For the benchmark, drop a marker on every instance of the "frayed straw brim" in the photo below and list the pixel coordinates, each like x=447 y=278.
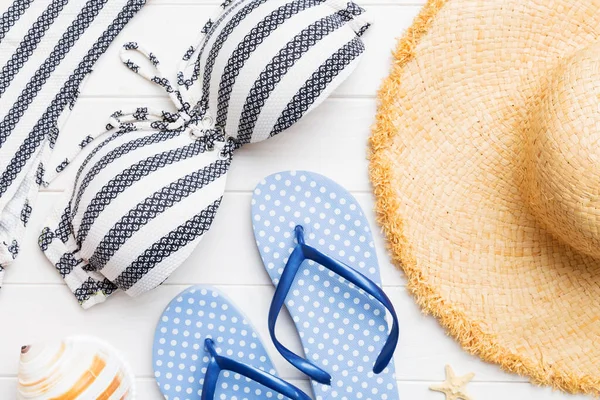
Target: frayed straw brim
x=445 y=170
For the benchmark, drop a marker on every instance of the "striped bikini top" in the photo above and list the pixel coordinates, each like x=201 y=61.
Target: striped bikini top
x=146 y=194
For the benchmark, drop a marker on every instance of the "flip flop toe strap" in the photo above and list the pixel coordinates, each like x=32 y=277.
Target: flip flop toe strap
x=219 y=363
x=304 y=252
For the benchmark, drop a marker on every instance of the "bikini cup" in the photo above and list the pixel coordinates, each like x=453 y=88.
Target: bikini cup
x=148 y=191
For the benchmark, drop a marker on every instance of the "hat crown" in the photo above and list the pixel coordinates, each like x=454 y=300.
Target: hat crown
x=562 y=152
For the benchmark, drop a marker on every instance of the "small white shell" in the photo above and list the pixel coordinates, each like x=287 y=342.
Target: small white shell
x=81 y=368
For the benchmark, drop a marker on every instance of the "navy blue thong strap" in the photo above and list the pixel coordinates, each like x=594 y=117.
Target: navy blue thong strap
x=303 y=252
x=219 y=363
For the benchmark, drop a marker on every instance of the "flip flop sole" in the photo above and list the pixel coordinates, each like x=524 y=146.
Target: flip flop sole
x=342 y=329
x=180 y=359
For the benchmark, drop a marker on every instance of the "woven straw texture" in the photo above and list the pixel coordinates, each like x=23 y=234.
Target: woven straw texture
x=484 y=161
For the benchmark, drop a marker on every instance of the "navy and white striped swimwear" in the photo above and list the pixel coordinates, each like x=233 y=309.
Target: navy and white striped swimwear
x=47 y=48
x=148 y=192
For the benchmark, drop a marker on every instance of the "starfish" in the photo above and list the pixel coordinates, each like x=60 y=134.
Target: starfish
x=454 y=386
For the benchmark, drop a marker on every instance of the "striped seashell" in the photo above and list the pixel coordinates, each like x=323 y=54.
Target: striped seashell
x=75 y=368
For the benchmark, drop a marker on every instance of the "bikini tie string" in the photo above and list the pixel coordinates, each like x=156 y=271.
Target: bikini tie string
x=195 y=120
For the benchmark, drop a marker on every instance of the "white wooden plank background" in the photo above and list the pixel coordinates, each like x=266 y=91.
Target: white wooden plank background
x=35 y=304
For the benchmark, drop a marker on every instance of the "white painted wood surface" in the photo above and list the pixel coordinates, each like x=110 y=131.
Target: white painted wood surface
x=35 y=305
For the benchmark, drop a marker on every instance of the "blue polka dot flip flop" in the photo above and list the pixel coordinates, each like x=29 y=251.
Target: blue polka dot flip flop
x=317 y=247
x=205 y=349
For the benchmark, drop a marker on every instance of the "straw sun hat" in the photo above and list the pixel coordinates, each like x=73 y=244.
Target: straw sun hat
x=486 y=168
